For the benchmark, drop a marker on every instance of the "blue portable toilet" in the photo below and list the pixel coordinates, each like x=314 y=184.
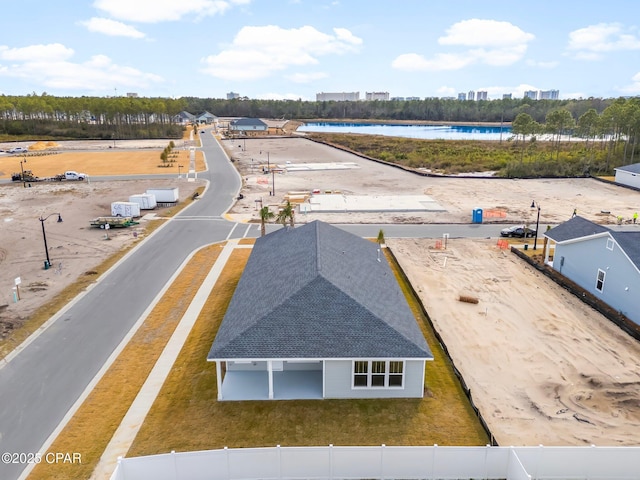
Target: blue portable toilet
x=476 y=216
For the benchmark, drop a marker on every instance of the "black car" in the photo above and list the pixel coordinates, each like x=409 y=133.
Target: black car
x=518 y=231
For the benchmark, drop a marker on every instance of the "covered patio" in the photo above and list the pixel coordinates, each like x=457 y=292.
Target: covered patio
x=287 y=385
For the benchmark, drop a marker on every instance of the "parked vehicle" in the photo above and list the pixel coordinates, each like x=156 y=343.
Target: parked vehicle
x=18 y=150
x=26 y=176
x=518 y=231
x=72 y=175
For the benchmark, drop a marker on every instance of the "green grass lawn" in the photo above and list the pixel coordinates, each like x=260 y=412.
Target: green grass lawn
x=187 y=416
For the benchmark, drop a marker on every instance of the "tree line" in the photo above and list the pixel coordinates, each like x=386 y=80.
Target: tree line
x=41 y=116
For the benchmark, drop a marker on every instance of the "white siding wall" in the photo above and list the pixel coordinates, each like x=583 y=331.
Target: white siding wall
x=628 y=178
x=338 y=382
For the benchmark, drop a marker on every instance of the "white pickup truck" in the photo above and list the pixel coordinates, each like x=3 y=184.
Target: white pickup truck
x=72 y=175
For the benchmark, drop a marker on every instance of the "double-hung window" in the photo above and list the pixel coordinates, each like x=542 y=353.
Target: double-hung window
x=600 y=280
x=378 y=374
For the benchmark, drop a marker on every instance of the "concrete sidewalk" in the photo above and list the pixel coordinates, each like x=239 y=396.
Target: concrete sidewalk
x=133 y=420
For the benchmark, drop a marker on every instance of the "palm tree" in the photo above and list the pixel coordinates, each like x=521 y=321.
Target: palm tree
x=265 y=216
x=287 y=213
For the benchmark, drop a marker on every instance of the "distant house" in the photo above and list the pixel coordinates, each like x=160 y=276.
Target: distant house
x=247 y=125
x=318 y=313
x=604 y=262
x=184 y=117
x=206 y=118
x=628 y=175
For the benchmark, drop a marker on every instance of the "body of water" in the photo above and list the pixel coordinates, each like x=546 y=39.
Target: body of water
x=430 y=132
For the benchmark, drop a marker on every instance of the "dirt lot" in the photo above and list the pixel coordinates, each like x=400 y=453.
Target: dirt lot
x=459 y=197
x=542 y=367
x=74 y=247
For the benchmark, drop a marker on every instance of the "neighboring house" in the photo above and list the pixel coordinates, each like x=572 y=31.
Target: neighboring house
x=628 y=175
x=602 y=261
x=318 y=313
x=246 y=125
x=185 y=117
x=206 y=118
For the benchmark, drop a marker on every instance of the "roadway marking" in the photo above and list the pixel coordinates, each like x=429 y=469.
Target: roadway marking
x=247 y=231
x=234 y=227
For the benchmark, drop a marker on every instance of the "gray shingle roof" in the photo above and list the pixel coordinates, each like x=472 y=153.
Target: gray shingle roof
x=577 y=227
x=633 y=168
x=248 y=122
x=317 y=291
x=630 y=243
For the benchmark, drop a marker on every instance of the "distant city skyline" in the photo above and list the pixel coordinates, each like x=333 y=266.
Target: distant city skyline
x=294 y=49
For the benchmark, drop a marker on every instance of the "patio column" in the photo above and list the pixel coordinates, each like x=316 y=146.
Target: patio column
x=546 y=252
x=270 y=369
x=219 y=378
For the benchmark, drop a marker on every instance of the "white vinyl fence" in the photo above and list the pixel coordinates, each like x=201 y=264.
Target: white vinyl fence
x=443 y=463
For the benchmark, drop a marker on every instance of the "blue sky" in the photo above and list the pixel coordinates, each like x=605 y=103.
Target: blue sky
x=290 y=49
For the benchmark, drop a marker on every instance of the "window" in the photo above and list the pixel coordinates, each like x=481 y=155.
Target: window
x=600 y=280
x=609 y=243
x=378 y=374
x=360 y=374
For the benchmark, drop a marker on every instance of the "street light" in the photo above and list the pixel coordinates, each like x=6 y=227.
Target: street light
x=179 y=174
x=47 y=263
x=535 y=241
x=24 y=181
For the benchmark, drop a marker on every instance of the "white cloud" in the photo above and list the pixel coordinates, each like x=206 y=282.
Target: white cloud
x=446 y=91
x=112 y=28
x=413 y=62
x=493 y=43
x=634 y=87
x=590 y=43
x=306 y=77
x=258 y=52
x=485 y=33
x=57 y=71
x=151 y=11
x=541 y=64
x=33 y=53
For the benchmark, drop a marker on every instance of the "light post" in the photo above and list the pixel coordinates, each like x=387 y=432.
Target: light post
x=179 y=174
x=47 y=263
x=535 y=241
x=24 y=181
x=273 y=182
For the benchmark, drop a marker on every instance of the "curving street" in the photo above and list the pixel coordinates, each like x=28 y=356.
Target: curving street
x=41 y=382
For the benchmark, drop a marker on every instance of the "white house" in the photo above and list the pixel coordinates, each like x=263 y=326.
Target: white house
x=318 y=313
x=604 y=262
x=628 y=175
x=247 y=125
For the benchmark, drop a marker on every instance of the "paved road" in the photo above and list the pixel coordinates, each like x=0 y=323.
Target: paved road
x=40 y=384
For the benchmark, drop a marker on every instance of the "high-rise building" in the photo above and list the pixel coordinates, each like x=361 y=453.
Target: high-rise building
x=532 y=94
x=506 y=96
x=471 y=95
x=337 y=96
x=377 y=96
x=482 y=95
x=232 y=95
x=549 y=95
x=462 y=96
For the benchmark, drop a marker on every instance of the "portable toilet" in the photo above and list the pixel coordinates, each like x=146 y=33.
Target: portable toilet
x=476 y=216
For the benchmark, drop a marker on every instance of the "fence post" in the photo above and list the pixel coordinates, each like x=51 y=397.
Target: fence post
x=433 y=461
x=279 y=454
x=226 y=454
x=175 y=464
x=382 y=461
x=331 y=461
